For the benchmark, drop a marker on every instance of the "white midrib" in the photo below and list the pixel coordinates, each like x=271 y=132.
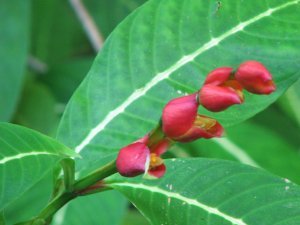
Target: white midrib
x=234 y=150
x=22 y=155
x=168 y=194
x=165 y=74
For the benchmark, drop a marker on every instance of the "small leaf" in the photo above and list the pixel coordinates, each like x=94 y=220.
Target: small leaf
x=205 y=191
x=26 y=156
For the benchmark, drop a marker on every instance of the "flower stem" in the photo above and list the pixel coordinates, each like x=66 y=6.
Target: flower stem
x=96 y=176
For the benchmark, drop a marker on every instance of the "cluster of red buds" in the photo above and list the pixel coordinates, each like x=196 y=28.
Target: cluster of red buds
x=181 y=122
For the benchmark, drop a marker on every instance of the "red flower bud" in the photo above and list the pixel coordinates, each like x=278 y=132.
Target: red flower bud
x=181 y=122
x=220 y=90
x=137 y=158
x=133 y=159
x=219 y=98
x=218 y=76
x=179 y=115
x=255 y=78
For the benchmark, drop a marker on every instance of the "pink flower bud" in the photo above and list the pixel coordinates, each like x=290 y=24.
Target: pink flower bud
x=219 y=76
x=133 y=159
x=139 y=158
x=179 y=115
x=181 y=122
x=255 y=78
x=219 y=98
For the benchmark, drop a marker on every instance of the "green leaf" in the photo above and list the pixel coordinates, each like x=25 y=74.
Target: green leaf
x=166 y=48
x=37 y=109
x=290 y=102
x=284 y=126
x=134 y=218
x=102 y=208
x=2 y=220
x=39 y=194
x=64 y=78
x=26 y=156
x=254 y=145
x=14 y=38
x=58 y=35
x=206 y=191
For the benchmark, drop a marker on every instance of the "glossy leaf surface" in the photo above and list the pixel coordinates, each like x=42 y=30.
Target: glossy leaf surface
x=206 y=192
x=26 y=156
x=165 y=49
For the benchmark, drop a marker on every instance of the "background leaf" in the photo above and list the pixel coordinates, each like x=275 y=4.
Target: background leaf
x=205 y=191
x=37 y=109
x=159 y=52
x=14 y=39
x=134 y=218
x=101 y=208
x=26 y=156
x=290 y=102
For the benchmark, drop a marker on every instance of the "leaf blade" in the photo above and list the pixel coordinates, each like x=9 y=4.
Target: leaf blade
x=26 y=156
x=122 y=99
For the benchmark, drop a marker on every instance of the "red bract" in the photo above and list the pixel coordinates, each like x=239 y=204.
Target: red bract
x=218 y=98
x=255 y=78
x=179 y=115
x=139 y=158
x=181 y=122
x=218 y=76
x=220 y=90
x=132 y=159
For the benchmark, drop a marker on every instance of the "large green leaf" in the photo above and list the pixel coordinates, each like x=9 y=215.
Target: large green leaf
x=205 y=191
x=25 y=157
x=254 y=145
x=100 y=209
x=166 y=48
x=14 y=38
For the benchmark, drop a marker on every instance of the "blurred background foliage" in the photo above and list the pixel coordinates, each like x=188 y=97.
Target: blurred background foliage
x=46 y=50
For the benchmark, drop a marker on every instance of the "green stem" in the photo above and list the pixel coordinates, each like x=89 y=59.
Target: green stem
x=96 y=176
x=55 y=205
x=155 y=136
